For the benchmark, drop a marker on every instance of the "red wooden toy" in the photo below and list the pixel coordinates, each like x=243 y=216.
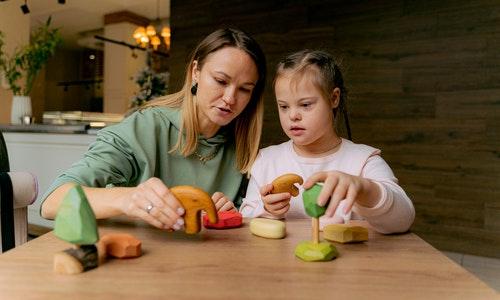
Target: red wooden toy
x=227 y=219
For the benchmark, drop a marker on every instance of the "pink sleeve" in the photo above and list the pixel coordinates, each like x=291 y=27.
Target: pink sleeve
x=394 y=212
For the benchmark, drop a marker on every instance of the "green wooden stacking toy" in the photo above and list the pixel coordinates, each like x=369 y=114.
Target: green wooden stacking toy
x=310 y=197
x=314 y=250
x=75 y=221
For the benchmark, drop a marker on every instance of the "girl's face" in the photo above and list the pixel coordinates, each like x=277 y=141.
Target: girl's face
x=225 y=85
x=305 y=115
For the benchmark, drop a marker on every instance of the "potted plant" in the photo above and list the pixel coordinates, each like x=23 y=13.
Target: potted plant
x=21 y=68
x=151 y=85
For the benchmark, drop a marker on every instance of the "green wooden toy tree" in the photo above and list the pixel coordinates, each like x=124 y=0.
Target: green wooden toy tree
x=314 y=251
x=76 y=223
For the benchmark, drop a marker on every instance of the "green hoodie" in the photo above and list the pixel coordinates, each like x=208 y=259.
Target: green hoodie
x=137 y=149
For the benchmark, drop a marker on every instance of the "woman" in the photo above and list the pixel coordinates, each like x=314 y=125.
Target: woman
x=205 y=135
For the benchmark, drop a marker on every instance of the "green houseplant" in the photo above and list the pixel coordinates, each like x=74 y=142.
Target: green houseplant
x=21 y=68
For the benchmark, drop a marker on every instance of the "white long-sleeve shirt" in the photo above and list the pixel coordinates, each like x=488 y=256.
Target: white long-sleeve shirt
x=393 y=213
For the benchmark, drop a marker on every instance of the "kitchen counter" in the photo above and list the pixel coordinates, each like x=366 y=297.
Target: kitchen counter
x=47 y=128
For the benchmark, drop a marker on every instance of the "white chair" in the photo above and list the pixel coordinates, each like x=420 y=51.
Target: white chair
x=17 y=191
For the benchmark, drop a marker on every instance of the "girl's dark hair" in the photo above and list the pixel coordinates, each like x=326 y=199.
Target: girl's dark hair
x=328 y=78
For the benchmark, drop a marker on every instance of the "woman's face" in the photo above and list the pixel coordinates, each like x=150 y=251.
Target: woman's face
x=225 y=85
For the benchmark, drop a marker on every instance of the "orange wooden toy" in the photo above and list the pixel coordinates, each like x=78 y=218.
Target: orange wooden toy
x=120 y=245
x=194 y=200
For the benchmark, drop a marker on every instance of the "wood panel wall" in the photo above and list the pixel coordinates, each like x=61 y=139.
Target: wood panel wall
x=424 y=86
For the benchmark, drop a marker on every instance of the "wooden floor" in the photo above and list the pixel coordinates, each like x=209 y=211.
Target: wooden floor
x=485 y=268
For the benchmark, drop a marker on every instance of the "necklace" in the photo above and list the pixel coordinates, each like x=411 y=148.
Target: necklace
x=207 y=157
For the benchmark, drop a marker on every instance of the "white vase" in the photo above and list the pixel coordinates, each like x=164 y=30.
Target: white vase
x=21 y=106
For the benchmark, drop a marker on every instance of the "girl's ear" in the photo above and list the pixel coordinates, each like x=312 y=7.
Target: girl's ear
x=335 y=100
x=195 y=72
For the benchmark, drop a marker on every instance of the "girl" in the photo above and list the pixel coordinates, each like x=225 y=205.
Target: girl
x=205 y=135
x=310 y=94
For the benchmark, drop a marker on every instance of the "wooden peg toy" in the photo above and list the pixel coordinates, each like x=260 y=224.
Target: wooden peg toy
x=267 y=228
x=227 y=219
x=344 y=233
x=286 y=184
x=194 y=200
x=314 y=251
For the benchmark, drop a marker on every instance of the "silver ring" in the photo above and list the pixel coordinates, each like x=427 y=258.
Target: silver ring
x=149 y=208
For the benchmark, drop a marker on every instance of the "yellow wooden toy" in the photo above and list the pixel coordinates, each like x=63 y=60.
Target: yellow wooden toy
x=194 y=200
x=344 y=233
x=286 y=184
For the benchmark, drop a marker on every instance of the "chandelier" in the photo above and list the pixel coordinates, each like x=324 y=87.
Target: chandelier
x=151 y=37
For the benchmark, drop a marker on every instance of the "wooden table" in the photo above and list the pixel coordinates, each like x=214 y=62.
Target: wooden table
x=234 y=264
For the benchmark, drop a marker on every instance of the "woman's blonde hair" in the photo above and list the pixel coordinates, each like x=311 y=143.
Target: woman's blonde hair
x=247 y=126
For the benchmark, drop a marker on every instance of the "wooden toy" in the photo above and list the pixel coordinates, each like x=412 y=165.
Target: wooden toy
x=314 y=251
x=344 y=233
x=194 y=200
x=119 y=245
x=267 y=228
x=310 y=197
x=75 y=223
x=76 y=260
x=285 y=184
x=227 y=219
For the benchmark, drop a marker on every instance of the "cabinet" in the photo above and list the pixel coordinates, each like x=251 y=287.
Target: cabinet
x=46 y=155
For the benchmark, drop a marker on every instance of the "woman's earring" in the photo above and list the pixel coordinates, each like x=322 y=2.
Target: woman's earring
x=194 y=89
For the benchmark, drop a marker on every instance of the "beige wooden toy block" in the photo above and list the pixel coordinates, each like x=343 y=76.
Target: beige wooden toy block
x=344 y=233
x=267 y=228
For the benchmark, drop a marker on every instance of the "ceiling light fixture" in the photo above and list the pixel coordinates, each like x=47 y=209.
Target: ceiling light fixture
x=147 y=36
x=24 y=7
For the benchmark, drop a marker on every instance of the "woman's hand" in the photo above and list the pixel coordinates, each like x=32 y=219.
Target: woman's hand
x=338 y=186
x=275 y=204
x=153 y=202
x=222 y=203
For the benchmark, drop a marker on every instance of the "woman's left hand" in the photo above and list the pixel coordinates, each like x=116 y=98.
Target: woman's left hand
x=222 y=203
x=338 y=186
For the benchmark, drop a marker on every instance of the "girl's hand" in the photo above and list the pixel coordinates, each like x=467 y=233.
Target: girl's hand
x=275 y=204
x=153 y=202
x=338 y=186
x=222 y=203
